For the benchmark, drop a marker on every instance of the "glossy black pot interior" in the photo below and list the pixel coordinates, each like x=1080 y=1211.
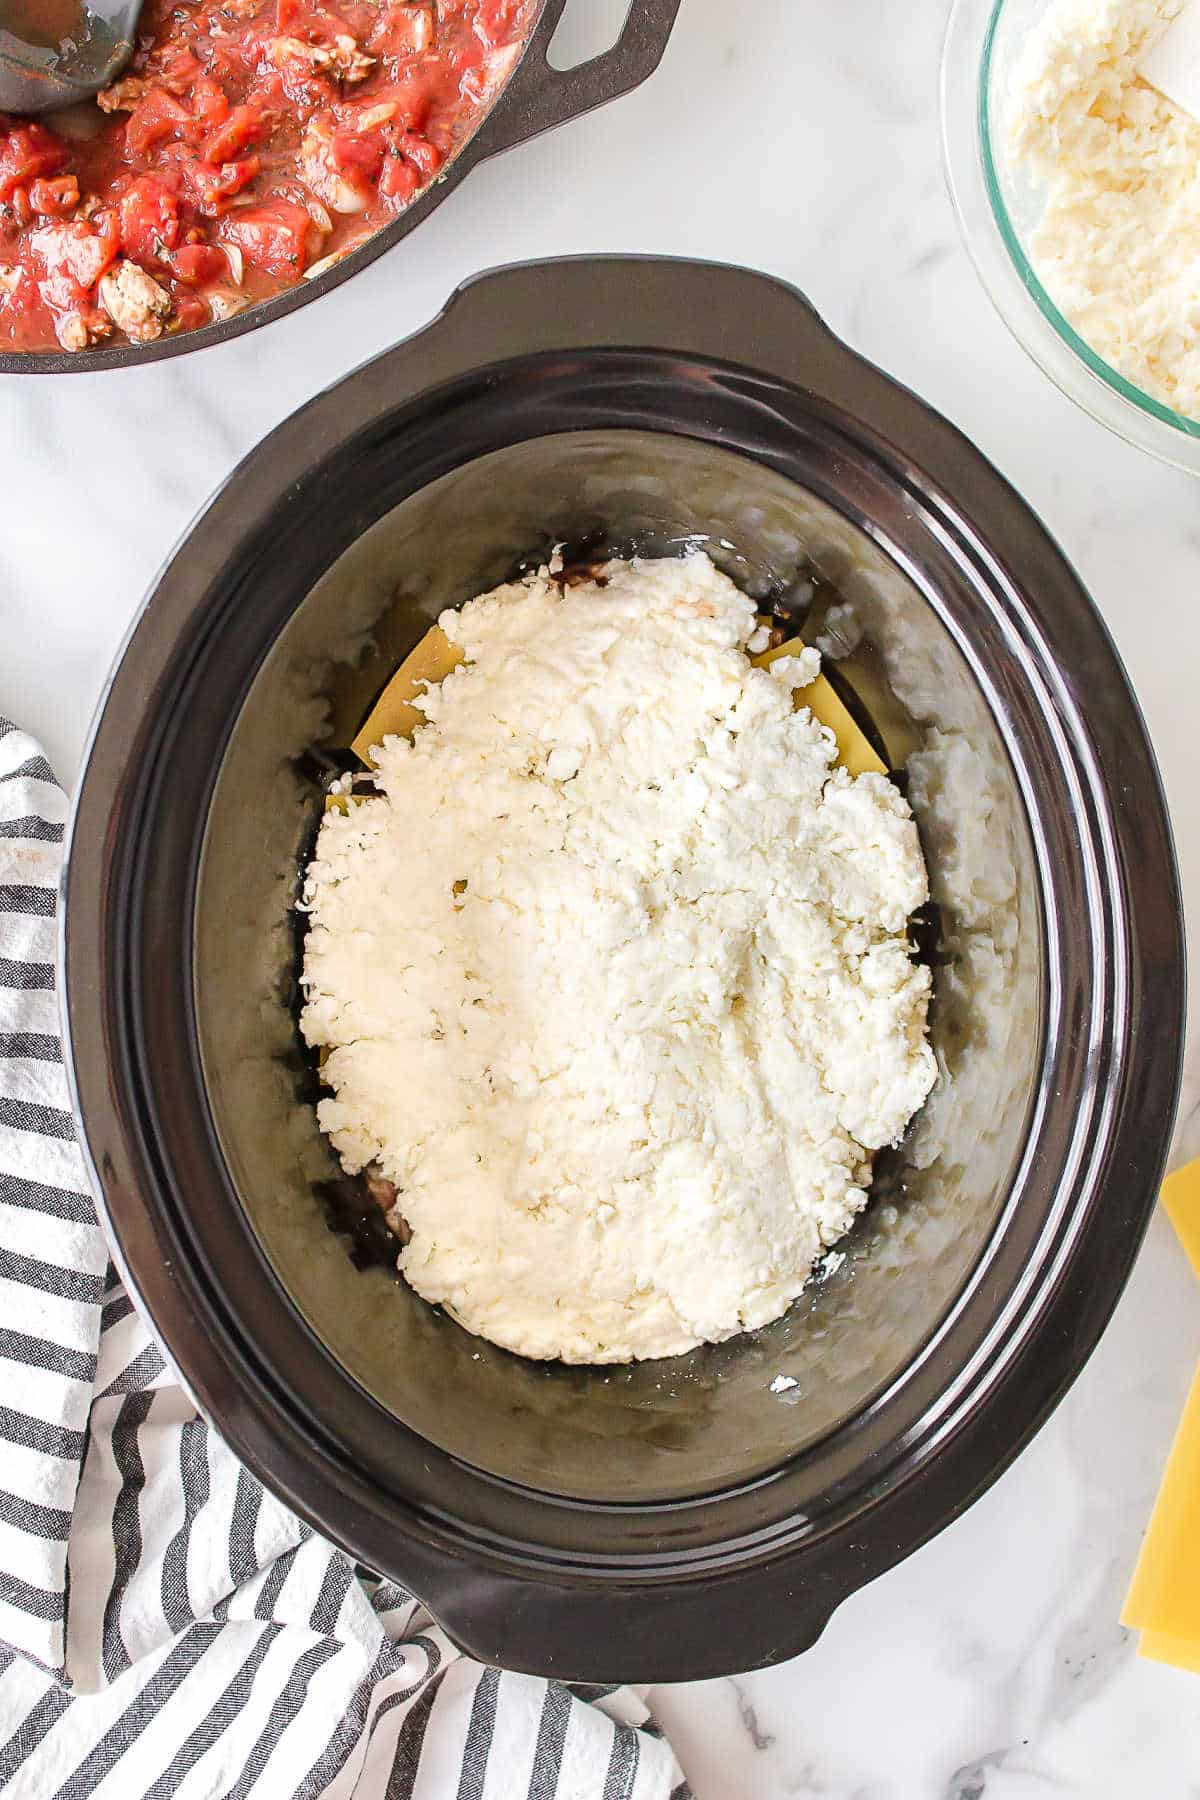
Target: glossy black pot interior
x=677 y=1519
x=535 y=98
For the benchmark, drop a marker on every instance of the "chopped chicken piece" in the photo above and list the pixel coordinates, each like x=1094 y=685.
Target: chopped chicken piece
x=350 y=63
x=284 y=50
x=134 y=302
x=88 y=207
x=342 y=59
x=75 y=331
x=122 y=96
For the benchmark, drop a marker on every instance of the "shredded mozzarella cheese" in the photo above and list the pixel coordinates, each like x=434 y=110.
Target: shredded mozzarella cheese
x=613 y=974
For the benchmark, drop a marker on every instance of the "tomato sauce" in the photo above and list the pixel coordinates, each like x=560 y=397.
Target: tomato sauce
x=247 y=143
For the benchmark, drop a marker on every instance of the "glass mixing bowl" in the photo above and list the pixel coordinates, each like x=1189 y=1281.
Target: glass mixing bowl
x=998 y=210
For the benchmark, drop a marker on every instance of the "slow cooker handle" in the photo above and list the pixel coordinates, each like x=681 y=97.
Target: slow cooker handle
x=539 y=96
x=583 y=1630
x=575 y=304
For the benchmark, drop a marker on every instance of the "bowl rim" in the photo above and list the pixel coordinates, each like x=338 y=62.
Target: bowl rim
x=973 y=177
x=588 y=1621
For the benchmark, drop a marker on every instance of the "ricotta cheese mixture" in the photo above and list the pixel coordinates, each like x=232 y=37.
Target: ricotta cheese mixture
x=612 y=973
x=1117 y=246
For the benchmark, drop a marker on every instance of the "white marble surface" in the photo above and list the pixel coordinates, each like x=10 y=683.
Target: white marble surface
x=800 y=136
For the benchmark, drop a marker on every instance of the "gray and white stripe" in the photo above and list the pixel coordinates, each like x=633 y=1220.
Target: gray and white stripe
x=167 y=1628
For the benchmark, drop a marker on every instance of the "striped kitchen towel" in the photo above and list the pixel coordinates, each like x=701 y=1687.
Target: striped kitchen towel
x=167 y=1628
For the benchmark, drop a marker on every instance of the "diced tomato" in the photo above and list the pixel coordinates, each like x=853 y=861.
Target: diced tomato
x=427 y=157
x=54 y=197
x=237 y=175
x=156 y=116
x=208 y=102
x=106 y=223
x=403 y=30
x=198 y=263
x=411 y=161
x=149 y=220
x=274 y=237
x=310 y=19
x=412 y=98
x=243 y=126
x=212 y=188
x=398 y=179
x=498 y=22
x=190 y=311
x=355 y=155
x=76 y=248
x=26 y=151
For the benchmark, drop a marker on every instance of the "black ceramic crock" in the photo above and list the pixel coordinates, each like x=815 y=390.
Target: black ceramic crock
x=535 y=97
x=670 y=1520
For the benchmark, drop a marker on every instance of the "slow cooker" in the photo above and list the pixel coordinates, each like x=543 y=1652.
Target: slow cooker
x=668 y=1520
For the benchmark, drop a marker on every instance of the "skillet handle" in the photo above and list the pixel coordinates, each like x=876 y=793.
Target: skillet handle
x=539 y=96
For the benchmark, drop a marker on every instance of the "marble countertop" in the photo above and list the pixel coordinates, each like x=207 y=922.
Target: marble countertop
x=802 y=138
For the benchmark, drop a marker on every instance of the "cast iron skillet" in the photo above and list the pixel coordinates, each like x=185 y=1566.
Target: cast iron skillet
x=535 y=98
x=674 y=1520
